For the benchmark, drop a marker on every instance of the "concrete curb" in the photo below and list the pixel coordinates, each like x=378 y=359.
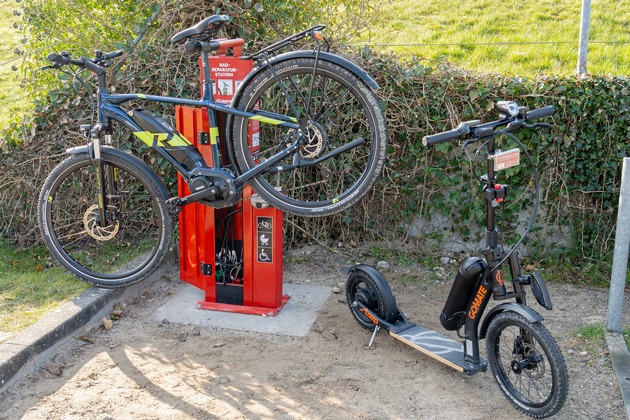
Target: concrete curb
x=620 y=357
x=29 y=350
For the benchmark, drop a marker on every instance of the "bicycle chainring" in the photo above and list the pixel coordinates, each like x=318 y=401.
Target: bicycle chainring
x=92 y=228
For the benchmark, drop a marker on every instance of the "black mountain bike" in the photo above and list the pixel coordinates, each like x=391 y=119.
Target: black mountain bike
x=523 y=356
x=104 y=214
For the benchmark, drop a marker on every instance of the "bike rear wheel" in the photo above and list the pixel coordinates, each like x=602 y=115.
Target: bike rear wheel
x=527 y=364
x=137 y=234
x=336 y=108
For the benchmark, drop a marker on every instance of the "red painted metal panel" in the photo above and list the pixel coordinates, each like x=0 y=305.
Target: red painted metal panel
x=258 y=230
x=196 y=221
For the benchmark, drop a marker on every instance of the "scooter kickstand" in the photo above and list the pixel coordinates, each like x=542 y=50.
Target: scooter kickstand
x=373 y=336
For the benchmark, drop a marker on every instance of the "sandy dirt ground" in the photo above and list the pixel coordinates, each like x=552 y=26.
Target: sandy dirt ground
x=144 y=369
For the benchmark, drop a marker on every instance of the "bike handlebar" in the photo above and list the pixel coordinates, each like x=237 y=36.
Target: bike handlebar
x=91 y=64
x=475 y=130
x=460 y=132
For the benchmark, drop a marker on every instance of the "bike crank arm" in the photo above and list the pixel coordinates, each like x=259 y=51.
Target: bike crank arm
x=189 y=199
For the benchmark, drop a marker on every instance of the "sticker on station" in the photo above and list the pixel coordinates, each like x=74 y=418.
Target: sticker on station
x=264 y=233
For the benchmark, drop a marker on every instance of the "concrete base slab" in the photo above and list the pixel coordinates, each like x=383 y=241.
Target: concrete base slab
x=620 y=357
x=295 y=319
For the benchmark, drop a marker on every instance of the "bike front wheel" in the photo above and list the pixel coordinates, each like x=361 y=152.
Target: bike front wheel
x=136 y=234
x=336 y=110
x=527 y=364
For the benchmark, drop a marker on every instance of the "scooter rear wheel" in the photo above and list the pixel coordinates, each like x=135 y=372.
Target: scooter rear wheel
x=367 y=285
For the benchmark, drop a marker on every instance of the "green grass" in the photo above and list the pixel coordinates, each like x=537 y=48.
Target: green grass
x=29 y=290
x=473 y=25
x=593 y=335
x=12 y=98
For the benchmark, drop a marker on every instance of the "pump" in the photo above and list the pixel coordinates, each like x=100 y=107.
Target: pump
x=233 y=254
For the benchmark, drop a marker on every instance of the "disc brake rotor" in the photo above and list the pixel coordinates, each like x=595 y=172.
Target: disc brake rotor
x=316 y=141
x=100 y=233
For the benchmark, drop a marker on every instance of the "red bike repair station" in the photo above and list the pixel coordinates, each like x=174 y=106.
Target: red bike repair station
x=233 y=254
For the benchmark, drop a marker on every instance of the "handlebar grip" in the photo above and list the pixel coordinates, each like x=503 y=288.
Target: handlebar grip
x=440 y=137
x=540 y=113
x=114 y=54
x=58 y=58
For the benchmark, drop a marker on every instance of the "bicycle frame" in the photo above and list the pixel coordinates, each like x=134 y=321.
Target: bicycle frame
x=216 y=184
x=109 y=109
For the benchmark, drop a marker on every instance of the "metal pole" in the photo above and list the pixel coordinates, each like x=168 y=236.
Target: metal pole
x=620 y=256
x=585 y=28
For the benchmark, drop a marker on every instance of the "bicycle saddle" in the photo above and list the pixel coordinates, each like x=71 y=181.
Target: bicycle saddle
x=209 y=24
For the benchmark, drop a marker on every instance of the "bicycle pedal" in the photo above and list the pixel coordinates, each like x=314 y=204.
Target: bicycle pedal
x=539 y=288
x=174 y=205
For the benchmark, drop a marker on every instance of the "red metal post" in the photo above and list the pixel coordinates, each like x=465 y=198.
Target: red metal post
x=259 y=230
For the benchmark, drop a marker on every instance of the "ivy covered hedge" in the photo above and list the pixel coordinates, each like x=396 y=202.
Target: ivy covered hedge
x=424 y=196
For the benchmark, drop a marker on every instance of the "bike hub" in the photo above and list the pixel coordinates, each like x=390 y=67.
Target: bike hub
x=365 y=297
x=313 y=140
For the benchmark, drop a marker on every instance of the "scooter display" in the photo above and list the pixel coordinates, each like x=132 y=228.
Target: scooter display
x=524 y=358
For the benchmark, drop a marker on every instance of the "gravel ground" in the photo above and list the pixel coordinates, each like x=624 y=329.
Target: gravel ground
x=145 y=369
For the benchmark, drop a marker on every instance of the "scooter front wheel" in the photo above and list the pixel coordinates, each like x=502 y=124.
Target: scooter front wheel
x=527 y=364
x=368 y=286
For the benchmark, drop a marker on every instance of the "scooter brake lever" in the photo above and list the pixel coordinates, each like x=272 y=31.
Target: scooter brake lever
x=469 y=141
x=538 y=125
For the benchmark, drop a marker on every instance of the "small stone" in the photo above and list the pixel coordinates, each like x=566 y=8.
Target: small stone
x=54 y=368
x=217 y=345
x=329 y=335
x=445 y=260
x=570 y=351
x=583 y=353
x=87 y=339
x=107 y=323
x=383 y=265
x=336 y=290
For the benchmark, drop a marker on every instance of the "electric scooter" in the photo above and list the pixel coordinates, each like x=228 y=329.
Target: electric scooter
x=523 y=356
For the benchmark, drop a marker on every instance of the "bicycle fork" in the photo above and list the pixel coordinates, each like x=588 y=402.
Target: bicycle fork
x=104 y=191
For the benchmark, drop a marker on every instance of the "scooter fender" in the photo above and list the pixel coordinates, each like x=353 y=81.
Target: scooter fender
x=527 y=312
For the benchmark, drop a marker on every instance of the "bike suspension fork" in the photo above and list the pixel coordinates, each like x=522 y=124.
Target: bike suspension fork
x=97 y=161
x=103 y=191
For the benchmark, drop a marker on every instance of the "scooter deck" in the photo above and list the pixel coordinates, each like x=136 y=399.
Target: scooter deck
x=439 y=347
